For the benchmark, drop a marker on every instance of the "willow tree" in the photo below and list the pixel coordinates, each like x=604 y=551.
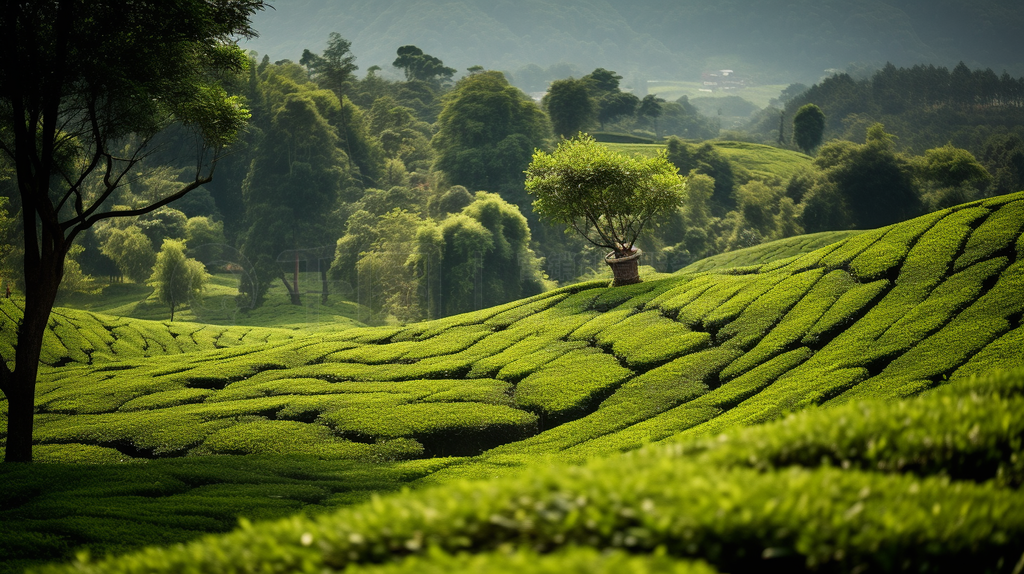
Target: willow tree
x=85 y=85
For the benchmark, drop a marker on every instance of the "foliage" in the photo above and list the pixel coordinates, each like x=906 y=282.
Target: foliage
x=570 y=107
x=808 y=127
x=178 y=279
x=486 y=134
x=294 y=181
x=735 y=502
x=877 y=316
x=205 y=239
x=862 y=186
x=605 y=197
x=334 y=69
x=420 y=66
x=130 y=250
x=927 y=105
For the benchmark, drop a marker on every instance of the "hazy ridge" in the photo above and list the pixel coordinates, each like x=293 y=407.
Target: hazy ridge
x=653 y=39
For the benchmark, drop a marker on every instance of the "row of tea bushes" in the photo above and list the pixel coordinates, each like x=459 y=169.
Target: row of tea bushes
x=82 y=337
x=778 y=250
x=967 y=430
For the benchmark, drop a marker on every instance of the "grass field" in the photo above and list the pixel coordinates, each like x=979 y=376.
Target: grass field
x=865 y=384
x=761 y=161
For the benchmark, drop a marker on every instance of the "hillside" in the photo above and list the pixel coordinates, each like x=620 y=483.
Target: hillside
x=762 y=161
x=875 y=493
x=655 y=40
x=577 y=373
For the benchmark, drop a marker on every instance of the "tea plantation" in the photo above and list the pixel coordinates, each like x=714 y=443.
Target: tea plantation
x=832 y=403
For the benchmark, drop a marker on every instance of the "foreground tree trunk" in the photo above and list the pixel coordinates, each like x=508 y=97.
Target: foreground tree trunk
x=19 y=385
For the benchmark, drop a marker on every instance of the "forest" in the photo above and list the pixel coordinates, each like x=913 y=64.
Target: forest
x=278 y=297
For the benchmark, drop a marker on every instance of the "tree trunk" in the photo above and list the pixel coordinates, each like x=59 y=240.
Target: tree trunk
x=295 y=292
x=19 y=385
x=323 y=281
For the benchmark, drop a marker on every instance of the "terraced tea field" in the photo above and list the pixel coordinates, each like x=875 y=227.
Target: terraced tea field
x=849 y=328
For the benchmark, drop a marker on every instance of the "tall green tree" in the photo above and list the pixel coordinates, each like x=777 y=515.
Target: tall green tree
x=130 y=250
x=423 y=67
x=335 y=68
x=178 y=278
x=79 y=81
x=808 y=127
x=569 y=106
x=650 y=107
x=486 y=134
x=293 y=185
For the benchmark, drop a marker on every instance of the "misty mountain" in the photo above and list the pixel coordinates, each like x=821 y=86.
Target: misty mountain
x=769 y=40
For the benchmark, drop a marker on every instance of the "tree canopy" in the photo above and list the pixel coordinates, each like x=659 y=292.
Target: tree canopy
x=486 y=134
x=604 y=196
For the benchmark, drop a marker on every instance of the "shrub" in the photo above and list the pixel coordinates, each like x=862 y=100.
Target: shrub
x=571 y=384
x=998 y=232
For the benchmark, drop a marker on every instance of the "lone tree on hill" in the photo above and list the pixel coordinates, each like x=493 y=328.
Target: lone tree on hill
x=178 y=279
x=606 y=197
x=84 y=87
x=808 y=127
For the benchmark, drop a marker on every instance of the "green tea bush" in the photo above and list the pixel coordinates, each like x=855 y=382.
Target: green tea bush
x=448 y=342
x=737 y=519
x=635 y=295
x=947 y=300
x=687 y=289
x=533 y=353
x=1003 y=353
x=290 y=438
x=850 y=248
x=729 y=310
x=504 y=319
x=671 y=384
x=76 y=453
x=725 y=288
x=164 y=399
x=967 y=333
x=758 y=318
x=998 y=232
x=588 y=331
x=647 y=339
x=733 y=393
x=795 y=324
x=955 y=432
x=571 y=384
x=574 y=560
x=374 y=354
x=845 y=310
x=886 y=254
x=933 y=255
x=445 y=429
